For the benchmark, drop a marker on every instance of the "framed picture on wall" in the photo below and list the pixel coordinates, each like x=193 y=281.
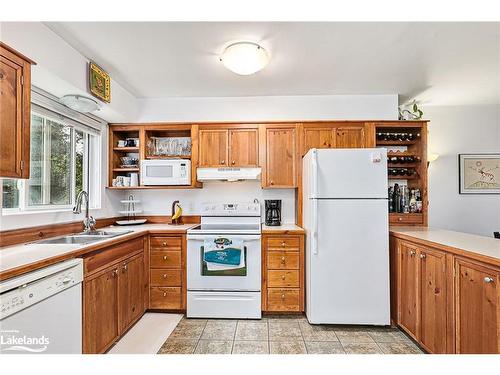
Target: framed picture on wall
x=99 y=82
x=479 y=173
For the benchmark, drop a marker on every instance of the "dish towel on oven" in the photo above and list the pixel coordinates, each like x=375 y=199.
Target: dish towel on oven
x=223 y=254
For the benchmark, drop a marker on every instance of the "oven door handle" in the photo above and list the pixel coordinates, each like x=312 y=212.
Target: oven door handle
x=203 y=237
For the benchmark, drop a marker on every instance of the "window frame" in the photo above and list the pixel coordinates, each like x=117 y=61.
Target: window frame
x=90 y=179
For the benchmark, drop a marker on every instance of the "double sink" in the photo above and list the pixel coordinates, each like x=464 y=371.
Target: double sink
x=83 y=238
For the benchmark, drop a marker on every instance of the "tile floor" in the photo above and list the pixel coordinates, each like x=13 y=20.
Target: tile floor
x=283 y=335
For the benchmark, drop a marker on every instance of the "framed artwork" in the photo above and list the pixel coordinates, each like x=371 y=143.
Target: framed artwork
x=479 y=173
x=99 y=83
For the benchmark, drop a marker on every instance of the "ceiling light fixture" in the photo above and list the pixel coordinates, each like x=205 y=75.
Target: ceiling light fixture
x=244 y=58
x=80 y=103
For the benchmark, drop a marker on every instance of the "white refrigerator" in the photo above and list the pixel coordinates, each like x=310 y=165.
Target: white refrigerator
x=345 y=216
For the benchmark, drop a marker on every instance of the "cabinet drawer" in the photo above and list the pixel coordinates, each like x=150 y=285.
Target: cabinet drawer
x=165 y=259
x=166 y=298
x=164 y=243
x=283 y=260
x=285 y=278
x=166 y=277
x=398 y=219
x=283 y=243
x=111 y=254
x=283 y=300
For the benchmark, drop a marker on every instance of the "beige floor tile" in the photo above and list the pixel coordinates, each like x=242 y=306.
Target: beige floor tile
x=324 y=347
x=187 y=331
x=353 y=336
x=284 y=330
x=178 y=346
x=317 y=332
x=250 y=330
x=399 y=348
x=388 y=336
x=251 y=347
x=287 y=347
x=362 y=348
x=219 y=330
x=214 y=347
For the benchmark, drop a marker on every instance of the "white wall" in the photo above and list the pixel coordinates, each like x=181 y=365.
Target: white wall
x=452 y=131
x=271 y=108
x=61 y=69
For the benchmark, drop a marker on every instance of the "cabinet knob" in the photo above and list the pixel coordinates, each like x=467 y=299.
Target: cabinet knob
x=164 y=294
x=283 y=243
x=124 y=267
x=282 y=296
x=412 y=252
x=400 y=218
x=271 y=182
x=164 y=275
x=115 y=272
x=282 y=277
x=283 y=260
x=233 y=162
x=222 y=161
x=164 y=244
x=422 y=256
x=164 y=257
x=488 y=279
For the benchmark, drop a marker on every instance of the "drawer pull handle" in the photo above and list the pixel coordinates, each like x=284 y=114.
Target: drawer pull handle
x=282 y=277
x=412 y=252
x=400 y=218
x=164 y=257
x=282 y=260
x=124 y=268
x=422 y=256
x=488 y=279
x=164 y=275
x=115 y=272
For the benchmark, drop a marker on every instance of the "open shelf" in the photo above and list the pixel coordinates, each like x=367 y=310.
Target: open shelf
x=125 y=169
x=396 y=143
x=404 y=177
x=158 y=187
x=126 y=149
x=168 y=156
x=403 y=165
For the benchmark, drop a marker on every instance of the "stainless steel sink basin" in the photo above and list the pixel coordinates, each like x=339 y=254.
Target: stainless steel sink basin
x=83 y=238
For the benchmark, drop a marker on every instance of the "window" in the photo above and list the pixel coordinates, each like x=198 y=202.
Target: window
x=59 y=167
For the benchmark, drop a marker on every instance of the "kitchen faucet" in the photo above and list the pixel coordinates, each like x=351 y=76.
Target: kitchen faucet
x=89 y=222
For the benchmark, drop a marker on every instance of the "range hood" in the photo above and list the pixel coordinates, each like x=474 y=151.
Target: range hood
x=227 y=174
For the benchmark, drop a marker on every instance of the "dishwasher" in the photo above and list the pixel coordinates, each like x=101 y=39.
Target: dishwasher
x=41 y=311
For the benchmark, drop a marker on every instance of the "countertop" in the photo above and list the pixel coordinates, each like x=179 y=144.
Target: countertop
x=18 y=259
x=458 y=242
x=282 y=229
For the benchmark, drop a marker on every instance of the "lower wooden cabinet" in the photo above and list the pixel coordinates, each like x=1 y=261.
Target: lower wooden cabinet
x=113 y=295
x=447 y=303
x=282 y=273
x=167 y=274
x=477 y=307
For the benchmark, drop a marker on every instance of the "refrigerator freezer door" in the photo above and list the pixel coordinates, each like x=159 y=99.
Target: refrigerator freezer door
x=347 y=275
x=345 y=173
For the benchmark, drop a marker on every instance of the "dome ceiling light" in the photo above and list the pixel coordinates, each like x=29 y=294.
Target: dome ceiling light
x=80 y=103
x=244 y=58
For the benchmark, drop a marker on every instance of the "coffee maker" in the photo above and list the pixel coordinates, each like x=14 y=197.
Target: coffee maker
x=273 y=212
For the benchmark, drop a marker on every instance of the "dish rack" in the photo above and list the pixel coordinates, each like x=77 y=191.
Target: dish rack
x=131 y=212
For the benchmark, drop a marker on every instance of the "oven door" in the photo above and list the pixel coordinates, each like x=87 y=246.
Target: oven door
x=245 y=277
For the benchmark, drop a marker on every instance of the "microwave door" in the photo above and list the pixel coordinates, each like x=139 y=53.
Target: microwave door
x=157 y=171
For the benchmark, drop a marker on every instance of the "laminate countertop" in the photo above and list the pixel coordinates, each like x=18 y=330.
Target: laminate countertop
x=483 y=248
x=19 y=259
x=282 y=229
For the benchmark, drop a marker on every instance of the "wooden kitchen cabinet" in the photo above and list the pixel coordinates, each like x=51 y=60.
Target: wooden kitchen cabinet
x=333 y=135
x=213 y=148
x=477 y=307
x=100 y=310
x=318 y=138
x=243 y=147
x=113 y=293
x=350 y=137
x=408 y=287
x=283 y=273
x=15 y=116
x=281 y=157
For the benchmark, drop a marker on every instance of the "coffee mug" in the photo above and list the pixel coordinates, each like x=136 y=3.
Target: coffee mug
x=121 y=143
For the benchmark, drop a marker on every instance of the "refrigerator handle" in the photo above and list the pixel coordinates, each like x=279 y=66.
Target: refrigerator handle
x=314 y=234
x=314 y=177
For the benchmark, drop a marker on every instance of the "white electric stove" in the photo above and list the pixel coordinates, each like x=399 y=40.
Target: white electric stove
x=220 y=290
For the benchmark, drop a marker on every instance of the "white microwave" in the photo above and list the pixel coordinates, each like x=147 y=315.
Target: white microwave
x=166 y=172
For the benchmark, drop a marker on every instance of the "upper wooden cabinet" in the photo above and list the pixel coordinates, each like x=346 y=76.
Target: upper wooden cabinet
x=15 y=97
x=221 y=147
x=333 y=135
x=281 y=157
x=477 y=308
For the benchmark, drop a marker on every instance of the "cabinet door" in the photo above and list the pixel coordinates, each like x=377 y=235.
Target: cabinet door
x=477 y=308
x=432 y=300
x=408 y=288
x=243 y=147
x=281 y=158
x=350 y=137
x=131 y=291
x=100 y=311
x=213 y=148
x=317 y=138
x=14 y=122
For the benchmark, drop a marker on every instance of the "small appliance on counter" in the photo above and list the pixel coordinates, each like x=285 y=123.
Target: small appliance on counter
x=273 y=212
x=130 y=211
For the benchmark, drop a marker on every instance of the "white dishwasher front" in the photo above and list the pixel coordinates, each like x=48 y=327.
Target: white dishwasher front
x=41 y=312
